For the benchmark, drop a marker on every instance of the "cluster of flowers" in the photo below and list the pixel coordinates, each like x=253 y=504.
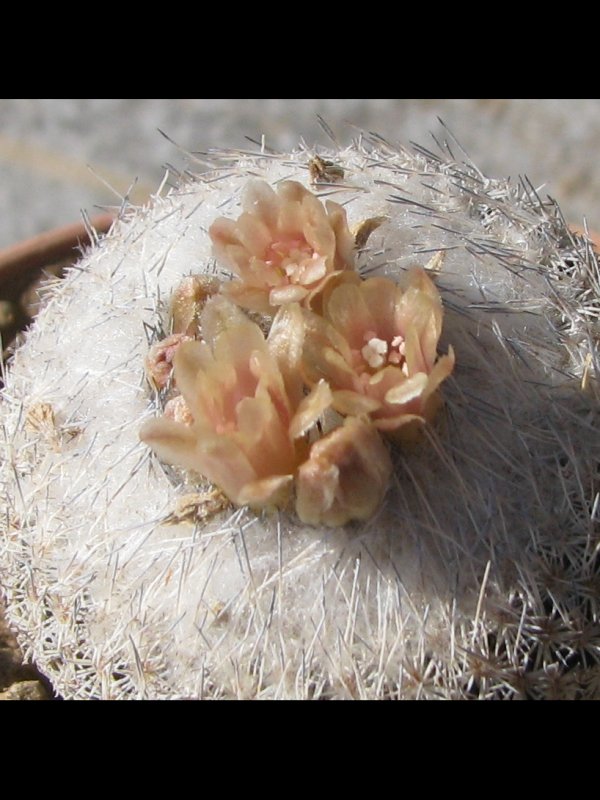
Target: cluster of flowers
x=301 y=412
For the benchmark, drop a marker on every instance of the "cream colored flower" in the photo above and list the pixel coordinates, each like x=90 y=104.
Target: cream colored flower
x=376 y=345
x=345 y=477
x=246 y=400
x=286 y=247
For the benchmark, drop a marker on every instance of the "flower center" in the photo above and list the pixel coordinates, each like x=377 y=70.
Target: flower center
x=297 y=261
x=378 y=352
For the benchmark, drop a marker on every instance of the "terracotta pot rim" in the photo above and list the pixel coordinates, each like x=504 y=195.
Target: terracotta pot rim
x=50 y=247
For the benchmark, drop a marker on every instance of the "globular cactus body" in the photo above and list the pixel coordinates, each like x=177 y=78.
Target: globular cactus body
x=477 y=577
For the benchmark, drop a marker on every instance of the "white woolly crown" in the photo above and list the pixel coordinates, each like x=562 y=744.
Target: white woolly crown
x=478 y=577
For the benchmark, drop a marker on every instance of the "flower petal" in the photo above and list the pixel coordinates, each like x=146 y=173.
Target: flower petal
x=319 y=337
x=354 y=404
x=314 y=271
x=335 y=368
x=246 y=296
x=223 y=233
x=234 y=338
x=317 y=228
x=403 y=429
x=350 y=315
x=420 y=280
x=222 y=461
x=260 y=199
x=188 y=300
x=190 y=359
x=263 y=436
x=415 y=359
x=270 y=380
x=383 y=380
x=172 y=441
x=219 y=316
x=420 y=315
x=345 y=477
x=292 y=192
x=345 y=251
x=408 y=390
x=285 y=343
x=287 y=294
x=290 y=222
x=442 y=369
x=381 y=296
x=319 y=296
x=274 y=491
x=316 y=486
x=253 y=234
x=310 y=409
x=261 y=275
x=391 y=424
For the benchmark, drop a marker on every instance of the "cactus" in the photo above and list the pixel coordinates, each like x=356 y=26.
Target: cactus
x=478 y=577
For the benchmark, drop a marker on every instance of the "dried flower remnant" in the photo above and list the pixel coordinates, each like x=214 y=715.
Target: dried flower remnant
x=249 y=412
x=364 y=229
x=197 y=507
x=188 y=300
x=345 y=477
x=40 y=419
x=286 y=247
x=159 y=361
x=435 y=263
x=377 y=347
x=323 y=171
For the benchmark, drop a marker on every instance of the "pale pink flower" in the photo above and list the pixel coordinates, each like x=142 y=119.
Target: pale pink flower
x=286 y=247
x=376 y=345
x=247 y=403
x=159 y=361
x=345 y=476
